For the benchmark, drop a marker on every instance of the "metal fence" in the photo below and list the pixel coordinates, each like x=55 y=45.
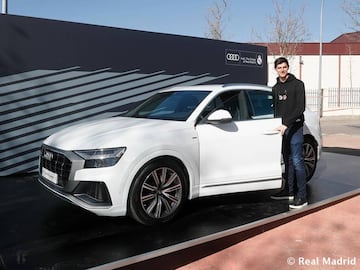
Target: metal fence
x=333 y=98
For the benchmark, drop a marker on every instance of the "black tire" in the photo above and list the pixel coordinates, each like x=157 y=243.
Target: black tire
x=158 y=192
x=310 y=157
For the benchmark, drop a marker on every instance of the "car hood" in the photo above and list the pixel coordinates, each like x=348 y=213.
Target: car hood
x=112 y=132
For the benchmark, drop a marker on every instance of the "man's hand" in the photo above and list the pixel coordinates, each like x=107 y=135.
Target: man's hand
x=282 y=129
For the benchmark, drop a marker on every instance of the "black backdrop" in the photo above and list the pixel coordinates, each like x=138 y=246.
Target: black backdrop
x=54 y=74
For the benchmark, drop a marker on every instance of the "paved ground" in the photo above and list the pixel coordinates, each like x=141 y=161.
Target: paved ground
x=341 y=131
x=328 y=239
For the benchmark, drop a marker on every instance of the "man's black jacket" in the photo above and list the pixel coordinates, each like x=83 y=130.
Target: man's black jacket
x=289 y=101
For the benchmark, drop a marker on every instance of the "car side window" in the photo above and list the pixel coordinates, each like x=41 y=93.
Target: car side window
x=232 y=101
x=260 y=104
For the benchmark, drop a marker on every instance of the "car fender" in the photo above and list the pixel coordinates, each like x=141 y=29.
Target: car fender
x=189 y=161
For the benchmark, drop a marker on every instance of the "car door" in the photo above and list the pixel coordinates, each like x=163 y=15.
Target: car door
x=243 y=154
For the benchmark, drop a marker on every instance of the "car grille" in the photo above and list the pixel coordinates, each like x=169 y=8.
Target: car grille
x=56 y=162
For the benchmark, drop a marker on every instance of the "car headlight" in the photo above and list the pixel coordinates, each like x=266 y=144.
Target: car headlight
x=98 y=158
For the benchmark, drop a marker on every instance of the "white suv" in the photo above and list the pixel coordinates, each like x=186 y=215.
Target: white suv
x=180 y=144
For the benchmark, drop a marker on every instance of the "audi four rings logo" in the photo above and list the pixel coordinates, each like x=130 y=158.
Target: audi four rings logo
x=233 y=57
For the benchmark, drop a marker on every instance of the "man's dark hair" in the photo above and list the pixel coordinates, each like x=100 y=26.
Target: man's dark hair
x=281 y=60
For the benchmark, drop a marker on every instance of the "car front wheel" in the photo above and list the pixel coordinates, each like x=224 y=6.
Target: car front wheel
x=158 y=192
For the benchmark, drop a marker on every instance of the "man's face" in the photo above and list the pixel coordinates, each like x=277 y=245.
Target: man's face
x=282 y=70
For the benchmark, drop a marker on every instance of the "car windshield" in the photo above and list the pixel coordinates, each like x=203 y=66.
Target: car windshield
x=172 y=105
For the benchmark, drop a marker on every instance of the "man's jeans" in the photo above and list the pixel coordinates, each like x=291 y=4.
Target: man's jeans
x=294 y=161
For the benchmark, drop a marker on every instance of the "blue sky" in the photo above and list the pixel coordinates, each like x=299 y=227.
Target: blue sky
x=185 y=17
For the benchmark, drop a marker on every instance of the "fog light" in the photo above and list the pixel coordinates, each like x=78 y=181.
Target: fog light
x=94 y=193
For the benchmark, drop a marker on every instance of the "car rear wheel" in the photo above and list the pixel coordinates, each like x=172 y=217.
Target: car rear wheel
x=310 y=156
x=158 y=192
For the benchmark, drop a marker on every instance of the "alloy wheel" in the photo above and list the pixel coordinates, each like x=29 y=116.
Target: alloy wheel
x=161 y=192
x=310 y=159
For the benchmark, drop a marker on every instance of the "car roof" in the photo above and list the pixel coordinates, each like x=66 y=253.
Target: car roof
x=219 y=87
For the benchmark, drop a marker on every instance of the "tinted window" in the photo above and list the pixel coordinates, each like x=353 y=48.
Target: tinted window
x=232 y=101
x=261 y=104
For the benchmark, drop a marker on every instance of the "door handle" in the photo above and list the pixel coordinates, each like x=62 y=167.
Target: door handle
x=271 y=132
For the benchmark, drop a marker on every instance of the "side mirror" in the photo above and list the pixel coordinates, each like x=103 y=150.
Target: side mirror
x=219 y=116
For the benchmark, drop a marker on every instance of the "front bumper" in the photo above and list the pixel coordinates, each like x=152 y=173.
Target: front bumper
x=83 y=193
x=57 y=171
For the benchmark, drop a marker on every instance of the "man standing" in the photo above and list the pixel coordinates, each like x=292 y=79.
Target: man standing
x=289 y=104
